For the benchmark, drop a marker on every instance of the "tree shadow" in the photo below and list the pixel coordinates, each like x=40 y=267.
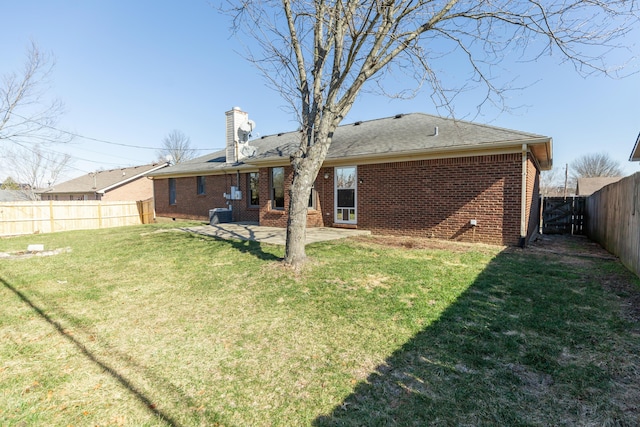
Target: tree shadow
x=244 y=244
x=494 y=357
x=128 y=384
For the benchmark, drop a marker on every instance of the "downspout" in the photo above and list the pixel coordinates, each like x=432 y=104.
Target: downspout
x=238 y=189
x=523 y=199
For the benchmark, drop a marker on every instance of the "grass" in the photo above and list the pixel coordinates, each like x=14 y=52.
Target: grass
x=144 y=326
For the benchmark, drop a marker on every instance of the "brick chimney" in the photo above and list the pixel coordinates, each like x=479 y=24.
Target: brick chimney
x=239 y=129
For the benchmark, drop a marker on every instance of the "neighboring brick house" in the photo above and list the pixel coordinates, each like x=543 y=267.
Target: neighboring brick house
x=413 y=174
x=635 y=153
x=124 y=184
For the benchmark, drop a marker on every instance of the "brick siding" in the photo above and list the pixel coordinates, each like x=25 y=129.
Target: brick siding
x=278 y=218
x=438 y=198
x=139 y=189
x=191 y=205
x=533 y=198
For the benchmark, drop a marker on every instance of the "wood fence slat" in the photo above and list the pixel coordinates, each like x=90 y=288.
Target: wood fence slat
x=613 y=220
x=49 y=216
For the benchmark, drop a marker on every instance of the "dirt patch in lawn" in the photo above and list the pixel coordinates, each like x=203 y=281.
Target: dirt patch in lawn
x=568 y=245
x=409 y=242
x=29 y=254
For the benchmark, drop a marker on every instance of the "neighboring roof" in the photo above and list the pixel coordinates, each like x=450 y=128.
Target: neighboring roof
x=404 y=136
x=13 y=196
x=588 y=186
x=102 y=181
x=635 y=153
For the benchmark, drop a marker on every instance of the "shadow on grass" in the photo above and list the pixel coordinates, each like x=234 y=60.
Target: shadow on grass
x=126 y=383
x=507 y=352
x=240 y=243
x=252 y=248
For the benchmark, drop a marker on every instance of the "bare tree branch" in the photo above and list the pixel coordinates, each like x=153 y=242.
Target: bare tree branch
x=36 y=167
x=176 y=148
x=595 y=165
x=26 y=116
x=332 y=50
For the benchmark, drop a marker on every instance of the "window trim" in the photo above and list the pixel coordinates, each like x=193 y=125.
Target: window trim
x=313 y=198
x=272 y=190
x=249 y=197
x=201 y=186
x=337 y=218
x=173 y=192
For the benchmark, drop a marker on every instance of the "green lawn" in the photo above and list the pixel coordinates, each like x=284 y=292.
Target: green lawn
x=145 y=326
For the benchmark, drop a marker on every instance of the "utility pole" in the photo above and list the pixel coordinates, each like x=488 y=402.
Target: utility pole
x=566 y=179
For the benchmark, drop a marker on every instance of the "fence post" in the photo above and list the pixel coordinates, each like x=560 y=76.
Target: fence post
x=51 y=219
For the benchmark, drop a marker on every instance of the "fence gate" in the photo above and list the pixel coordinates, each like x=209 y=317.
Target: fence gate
x=562 y=215
x=145 y=209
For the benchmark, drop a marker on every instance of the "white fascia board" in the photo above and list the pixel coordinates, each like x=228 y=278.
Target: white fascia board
x=132 y=178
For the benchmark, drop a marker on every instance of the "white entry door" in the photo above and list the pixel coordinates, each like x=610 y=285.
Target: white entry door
x=346 y=193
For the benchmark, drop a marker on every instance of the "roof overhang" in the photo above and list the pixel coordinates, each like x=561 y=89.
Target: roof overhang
x=226 y=170
x=635 y=153
x=541 y=148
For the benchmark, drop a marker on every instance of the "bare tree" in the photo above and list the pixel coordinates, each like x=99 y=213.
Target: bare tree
x=595 y=165
x=552 y=183
x=36 y=168
x=176 y=148
x=27 y=123
x=321 y=54
x=26 y=116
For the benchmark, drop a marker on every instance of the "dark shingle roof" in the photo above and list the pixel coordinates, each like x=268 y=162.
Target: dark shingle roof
x=401 y=135
x=101 y=181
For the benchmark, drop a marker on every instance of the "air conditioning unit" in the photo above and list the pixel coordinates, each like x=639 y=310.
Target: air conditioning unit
x=220 y=215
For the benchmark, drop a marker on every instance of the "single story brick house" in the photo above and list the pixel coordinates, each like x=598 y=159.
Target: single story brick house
x=122 y=184
x=410 y=174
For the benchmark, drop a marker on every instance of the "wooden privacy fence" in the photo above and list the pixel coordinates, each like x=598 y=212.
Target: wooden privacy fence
x=50 y=216
x=613 y=220
x=563 y=215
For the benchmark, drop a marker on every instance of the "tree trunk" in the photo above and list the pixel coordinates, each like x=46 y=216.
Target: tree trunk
x=304 y=175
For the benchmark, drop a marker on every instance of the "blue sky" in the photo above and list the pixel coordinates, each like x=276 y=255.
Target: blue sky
x=131 y=71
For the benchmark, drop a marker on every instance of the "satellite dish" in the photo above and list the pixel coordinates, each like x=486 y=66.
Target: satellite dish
x=247 y=127
x=248 y=150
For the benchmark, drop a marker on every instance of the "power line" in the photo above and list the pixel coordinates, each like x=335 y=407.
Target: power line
x=103 y=140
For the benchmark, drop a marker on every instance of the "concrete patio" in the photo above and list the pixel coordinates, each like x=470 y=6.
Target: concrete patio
x=273 y=235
